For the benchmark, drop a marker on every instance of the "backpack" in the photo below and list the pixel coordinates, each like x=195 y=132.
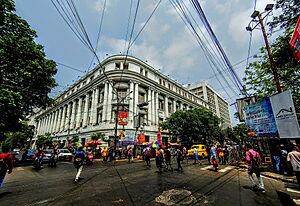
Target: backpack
x=256 y=161
x=3 y=166
x=148 y=153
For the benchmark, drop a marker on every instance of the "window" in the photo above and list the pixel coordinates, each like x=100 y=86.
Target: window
x=142 y=119
x=92 y=77
x=159 y=81
x=169 y=85
x=126 y=66
x=147 y=138
x=122 y=93
x=141 y=71
x=164 y=83
x=146 y=73
x=142 y=98
x=118 y=65
x=160 y=104
x=169 y=107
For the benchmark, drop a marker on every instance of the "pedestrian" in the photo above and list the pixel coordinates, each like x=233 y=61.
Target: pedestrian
x=184 y=155
x=130 y=154
x=148 y=156
x=218 y=150
x=104 y=154
x=168 y=159
x=6 y=164
x=196 y=156
x=110 y=154
x=226 y=155
x=158 y=159
x=294 y=158
x=253 y=160
x=78 y=163
x=208 y=153
x=277 y=157
x=179 y=156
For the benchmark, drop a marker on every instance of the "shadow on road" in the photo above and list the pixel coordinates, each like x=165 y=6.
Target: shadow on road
x=4 y=194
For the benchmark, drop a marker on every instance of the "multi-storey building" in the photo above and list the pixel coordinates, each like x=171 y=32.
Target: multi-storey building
x=217 y=104
x=119 y=84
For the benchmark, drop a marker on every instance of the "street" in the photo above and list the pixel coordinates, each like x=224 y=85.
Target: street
x=135 y=184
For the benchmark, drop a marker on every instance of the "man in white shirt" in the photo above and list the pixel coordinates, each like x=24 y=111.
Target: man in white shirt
x=294 y=158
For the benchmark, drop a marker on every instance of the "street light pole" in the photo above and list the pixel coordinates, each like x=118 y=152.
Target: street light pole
x=274 y=71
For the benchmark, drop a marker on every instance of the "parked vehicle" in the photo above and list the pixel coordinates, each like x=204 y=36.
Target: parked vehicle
x=201 y=150
x=65 y=154
x=48 y=153
x=28 y=155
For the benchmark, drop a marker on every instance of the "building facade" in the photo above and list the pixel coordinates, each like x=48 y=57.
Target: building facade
x=217 y=104
x=119 y=84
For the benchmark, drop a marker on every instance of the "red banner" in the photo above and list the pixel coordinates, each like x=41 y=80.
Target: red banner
x=122 y=118
x=295 y=41
x=141 y=138
x=159 y=136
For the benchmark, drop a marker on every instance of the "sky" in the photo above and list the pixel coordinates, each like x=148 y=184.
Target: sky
x=165 y=43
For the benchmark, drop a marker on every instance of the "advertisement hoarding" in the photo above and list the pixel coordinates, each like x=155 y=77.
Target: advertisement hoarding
x=122 y=118
x=295 y=41
x=273 y=117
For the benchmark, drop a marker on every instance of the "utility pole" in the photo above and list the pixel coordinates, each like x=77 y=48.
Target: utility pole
x=274 y=71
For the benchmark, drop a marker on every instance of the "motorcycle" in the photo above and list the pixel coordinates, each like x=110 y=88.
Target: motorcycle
x=53 y=160
x=89 y=158
x=38 y=162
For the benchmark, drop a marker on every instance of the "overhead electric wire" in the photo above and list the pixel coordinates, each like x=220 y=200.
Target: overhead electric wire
x=74 y=19
x=128 y=23
x=70 y=67
x=204 y=20
x=191 y=28
x=155 y=8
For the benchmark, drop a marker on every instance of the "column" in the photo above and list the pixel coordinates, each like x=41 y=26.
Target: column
x=136 y=97
x=42 y=125
x=181 y=106
x=104 y=112
x=46 y=123
x=59 y=120
x=95 y=106
x=51 y=122
x=156 y=108
x=109 y=100
x=55 y=121
x=78 y=116
x=68 y=117
x=174 y=106
x=149 y=107
x=131 y=101
x=153 y=107
x=73 y=119
x=63 y=118
x=39 y=129
x=86 y=107
x=166 y=106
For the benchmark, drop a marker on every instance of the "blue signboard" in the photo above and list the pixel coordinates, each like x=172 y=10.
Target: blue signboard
x=260 y=119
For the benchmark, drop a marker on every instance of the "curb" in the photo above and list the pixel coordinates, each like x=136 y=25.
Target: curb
x=280 y=178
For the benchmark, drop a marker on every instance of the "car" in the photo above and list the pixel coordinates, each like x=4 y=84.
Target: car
x=64 y=154
x=48 y=153
x=201 y=150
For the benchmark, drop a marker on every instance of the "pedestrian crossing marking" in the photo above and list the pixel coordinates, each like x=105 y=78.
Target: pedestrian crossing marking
x=296 y=201
x=206 y=168
x=19 y=168
x=292 y=190
x=226 y=169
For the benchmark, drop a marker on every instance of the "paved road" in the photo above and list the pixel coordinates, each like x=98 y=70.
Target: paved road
x=135 y=184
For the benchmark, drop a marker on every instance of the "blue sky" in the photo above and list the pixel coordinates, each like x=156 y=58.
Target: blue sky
x=165 y=43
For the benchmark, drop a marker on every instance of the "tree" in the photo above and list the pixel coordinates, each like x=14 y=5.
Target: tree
x=97 y=136
x=259 y=78
x=44 y=140
x=19 y=138
x=26 y=75
x=288 y=14
x=195 y=125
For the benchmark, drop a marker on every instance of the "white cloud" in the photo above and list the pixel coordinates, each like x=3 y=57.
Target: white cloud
x=98 y=5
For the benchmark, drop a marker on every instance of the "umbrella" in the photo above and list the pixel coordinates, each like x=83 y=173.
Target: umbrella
x=94 y=142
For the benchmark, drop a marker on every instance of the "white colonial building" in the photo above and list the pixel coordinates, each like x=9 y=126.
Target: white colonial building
x=90 y=104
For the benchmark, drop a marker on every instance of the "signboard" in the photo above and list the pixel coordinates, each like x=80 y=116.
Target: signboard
x=129 y=139
x=159 y=136
x=273 y=117
x=295 y=41
x=122 y=118
x=241 y=104
x=285 y=115
x=141 y=138
x=260 y=119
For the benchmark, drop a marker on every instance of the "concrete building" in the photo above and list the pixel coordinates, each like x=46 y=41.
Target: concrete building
x=217 y=104
x=90 y=104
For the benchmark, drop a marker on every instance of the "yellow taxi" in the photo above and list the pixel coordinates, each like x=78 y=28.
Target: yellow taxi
x=201 y=150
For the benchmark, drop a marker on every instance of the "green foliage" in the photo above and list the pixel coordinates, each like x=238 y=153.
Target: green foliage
x=26 y=75
x=19 y=138
x=44 y=140
x=97 y=136
x=288 y=14
x=195 y=125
